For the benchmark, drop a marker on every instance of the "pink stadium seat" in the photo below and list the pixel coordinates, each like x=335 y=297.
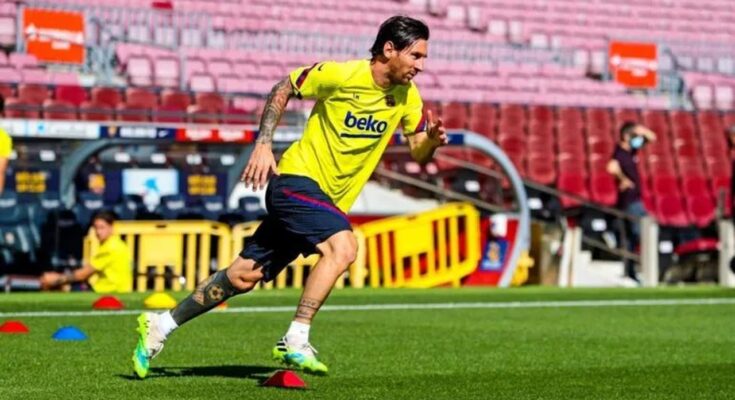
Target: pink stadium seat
x=7 y=30
x=140 y=71
x=23 y=60
x=202 y=83
x=166 y=72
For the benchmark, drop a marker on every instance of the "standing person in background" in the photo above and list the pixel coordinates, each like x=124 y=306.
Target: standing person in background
x=624 y=167
x=109 y=270
x=359 y=105
x=6 y=148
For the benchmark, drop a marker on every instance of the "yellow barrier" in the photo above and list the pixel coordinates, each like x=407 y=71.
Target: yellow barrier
x=296 y=270
x=423 y=250
x=184 y=246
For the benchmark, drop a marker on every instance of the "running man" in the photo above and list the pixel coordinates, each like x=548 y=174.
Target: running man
x=359 y=104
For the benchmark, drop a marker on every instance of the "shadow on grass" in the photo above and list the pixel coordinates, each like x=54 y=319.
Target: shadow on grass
x=256 y=372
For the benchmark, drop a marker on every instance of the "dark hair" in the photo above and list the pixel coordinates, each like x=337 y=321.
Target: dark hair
x=105 y=215
x=403 y=31
x=627 y=128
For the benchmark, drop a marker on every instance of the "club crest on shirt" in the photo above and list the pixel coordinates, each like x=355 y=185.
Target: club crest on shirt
x=390 y=101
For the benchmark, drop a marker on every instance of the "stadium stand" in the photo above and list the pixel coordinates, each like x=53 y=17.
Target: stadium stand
x=532 y=78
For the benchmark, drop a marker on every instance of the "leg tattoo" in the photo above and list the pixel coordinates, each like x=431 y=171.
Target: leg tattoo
x=307 y=308
x=209 y=293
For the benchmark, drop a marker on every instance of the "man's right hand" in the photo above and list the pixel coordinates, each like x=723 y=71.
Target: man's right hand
x=260 y=166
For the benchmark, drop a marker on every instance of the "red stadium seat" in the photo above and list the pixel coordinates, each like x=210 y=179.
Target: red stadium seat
x=662 y=184
x=7 y=90
x=483 y=119
x=175 y=98
x=210 y=101
x=701 y=209
x=108 y=96
x=237 y=116
x=21 y=108
x=572 y=183
x=169 y=113
x=96 y=111
x=75 y=95
x=542 y=168
x=32 y=93
x=130 y=112
x=59 y=109
x=141 y=98
x=670 y=210
x=603 y=189
x=512 y=115
x=454 y=115
x=541 y=114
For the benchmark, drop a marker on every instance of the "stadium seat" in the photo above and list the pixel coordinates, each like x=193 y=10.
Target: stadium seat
x=171 y=206
x=59 y=109
x=482 y=119
x=603 y=189
x=455 y=115
x=20 y=108
x=700 y=209
x=127 y=112
x=75 y=95
x=105 y=95
x=251 y=208
x=575 y=184
x=670 y=211
x=141 y=98
x=87 y=205
x=96 y=111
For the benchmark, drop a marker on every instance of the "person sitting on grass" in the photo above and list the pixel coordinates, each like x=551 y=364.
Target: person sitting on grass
x=108 y=271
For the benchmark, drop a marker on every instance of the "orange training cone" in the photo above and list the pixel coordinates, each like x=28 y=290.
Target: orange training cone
x=285 y=379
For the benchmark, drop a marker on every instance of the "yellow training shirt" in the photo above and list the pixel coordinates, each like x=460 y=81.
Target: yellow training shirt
x=6 y=144
x=350 y=126
x=114 y=270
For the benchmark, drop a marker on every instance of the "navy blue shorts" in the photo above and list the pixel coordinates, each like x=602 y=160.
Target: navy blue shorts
x=300 y=216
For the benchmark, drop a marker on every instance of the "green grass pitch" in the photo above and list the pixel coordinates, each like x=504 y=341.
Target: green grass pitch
x=531 y=351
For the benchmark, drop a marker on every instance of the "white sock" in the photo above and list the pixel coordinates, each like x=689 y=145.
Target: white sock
x=166 y=323
x=298 y=332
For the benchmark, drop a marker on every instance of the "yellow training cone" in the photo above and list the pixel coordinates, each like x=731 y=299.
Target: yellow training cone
x=159 y=300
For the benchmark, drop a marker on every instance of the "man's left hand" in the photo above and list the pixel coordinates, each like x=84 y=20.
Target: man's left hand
x=435 y=130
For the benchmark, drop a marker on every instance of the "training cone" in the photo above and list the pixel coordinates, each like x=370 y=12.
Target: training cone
x=159 y=300
x=222 y=306
x=13 y=327
x=108 y=303
x=285 y=379
x=69 y=333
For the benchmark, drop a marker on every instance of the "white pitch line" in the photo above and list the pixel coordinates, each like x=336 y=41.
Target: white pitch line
x=409 y=306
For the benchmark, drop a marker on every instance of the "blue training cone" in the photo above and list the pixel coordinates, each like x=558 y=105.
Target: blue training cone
x=69 y=333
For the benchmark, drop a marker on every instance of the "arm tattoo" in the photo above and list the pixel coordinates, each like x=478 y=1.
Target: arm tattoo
x=274 y=106
x=308 y=308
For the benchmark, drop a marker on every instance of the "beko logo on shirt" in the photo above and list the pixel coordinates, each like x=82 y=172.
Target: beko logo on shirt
x=367 y=124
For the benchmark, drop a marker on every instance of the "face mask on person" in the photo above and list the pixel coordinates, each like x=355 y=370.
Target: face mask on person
x=637 y=142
